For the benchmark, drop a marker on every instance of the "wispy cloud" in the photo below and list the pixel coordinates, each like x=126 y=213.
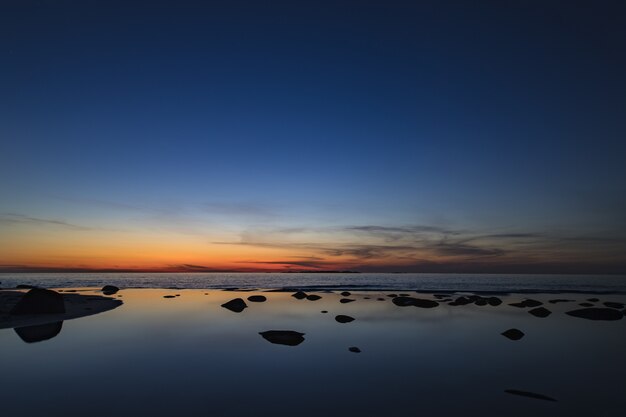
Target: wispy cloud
x=13 y=218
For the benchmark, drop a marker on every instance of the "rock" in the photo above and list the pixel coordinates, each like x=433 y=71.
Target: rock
x=257 y=298
x=324 y=311
x=313 y=297
x=586 y=304
x=442 y=295
x=560 y=300
x=513 y=334
x=169 y=296
x=236 y=305
x=110 y=289
x=612 y=304
x=540 y=312
x=494 y=301
x=344 y=319
x=596 y=314
x=354 y=349
x=404 y=295
x=529 y=394
x=460 y=301
x=366 y=298
x=346 y=300
x=25 y=286
x=346 y=294
x=527 y=303
x=392 y=295
x=283 y=337
x=416 y=302
x=300 y=295
x=380 y=299
x=481 y=302
x=39 y=333
x=40 y=301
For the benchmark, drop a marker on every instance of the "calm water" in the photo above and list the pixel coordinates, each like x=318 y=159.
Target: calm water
x=188 y=356
x=434 y=282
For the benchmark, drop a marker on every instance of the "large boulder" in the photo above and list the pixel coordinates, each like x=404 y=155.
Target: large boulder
x=39 y=333
x=40 y=301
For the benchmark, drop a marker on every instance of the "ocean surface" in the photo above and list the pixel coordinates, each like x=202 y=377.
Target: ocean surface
x=373 y=281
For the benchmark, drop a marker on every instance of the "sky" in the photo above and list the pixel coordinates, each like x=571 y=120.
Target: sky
x=443 y=136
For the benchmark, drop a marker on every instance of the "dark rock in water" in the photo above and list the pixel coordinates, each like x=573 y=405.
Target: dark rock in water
x=612 y=304
x=354 y=349
x=597 y=314
x=540 y=312
x=313 y=297
x=481 y=302
x=416 y=302
x=380 y=299
x=40 y=301
x=593 y=300
x=560 y=300
x=110 y=289
x=441 y=295
x=25 y=286
x=404 y=295
x=392 y=295
x=494 y=301
x=169 y=296
x=177 y=295
x=300 y=295
x=324 y=311
x=236 y=305
x=586 y=304
x=366 y=298
x=529 y=394
x=346 y=294
x=39 y=333
x=460 y=301
x=527 y=303
x=346 y=300
x=257 y=298
x=513 y=334
x=344 y=319
x=283 y=337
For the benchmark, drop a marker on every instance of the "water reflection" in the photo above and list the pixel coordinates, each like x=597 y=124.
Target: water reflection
x=34 y=319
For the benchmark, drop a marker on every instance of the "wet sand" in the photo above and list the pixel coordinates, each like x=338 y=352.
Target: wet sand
x=271 y=352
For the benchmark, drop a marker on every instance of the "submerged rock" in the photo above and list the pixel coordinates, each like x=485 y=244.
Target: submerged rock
x=596 y=314
x=40 y=301
x=110 y=289
x=346 y=300
x=354 y=349
x=300 y=295
x=527 y=303
x=461 y=301
x=257 y=298
x=513 y=334
x=283 y=337
x=313 y=297
x=344 y=319
x=612 y=304
x=540 y=312
x=416 y=302
x=560 y=300
x=529 y=394
x=236 y=305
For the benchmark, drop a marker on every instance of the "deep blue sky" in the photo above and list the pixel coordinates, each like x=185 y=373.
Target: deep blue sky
x=254 y=117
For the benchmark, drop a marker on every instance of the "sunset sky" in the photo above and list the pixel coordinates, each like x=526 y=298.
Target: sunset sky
x=450 y=137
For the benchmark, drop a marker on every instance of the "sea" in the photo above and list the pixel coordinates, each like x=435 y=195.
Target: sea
x=495 y=283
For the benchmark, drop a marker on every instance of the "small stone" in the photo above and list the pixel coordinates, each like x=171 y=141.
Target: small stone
x=540 y=312
x=346 y=294
x=257 y=298
x=313 y=297
x=300 y=295
x=354 y=349
x=236 y=305
x=344 y=319
x=513 y=334
x=110 y=289
x=283 y=337
x=346 y=300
